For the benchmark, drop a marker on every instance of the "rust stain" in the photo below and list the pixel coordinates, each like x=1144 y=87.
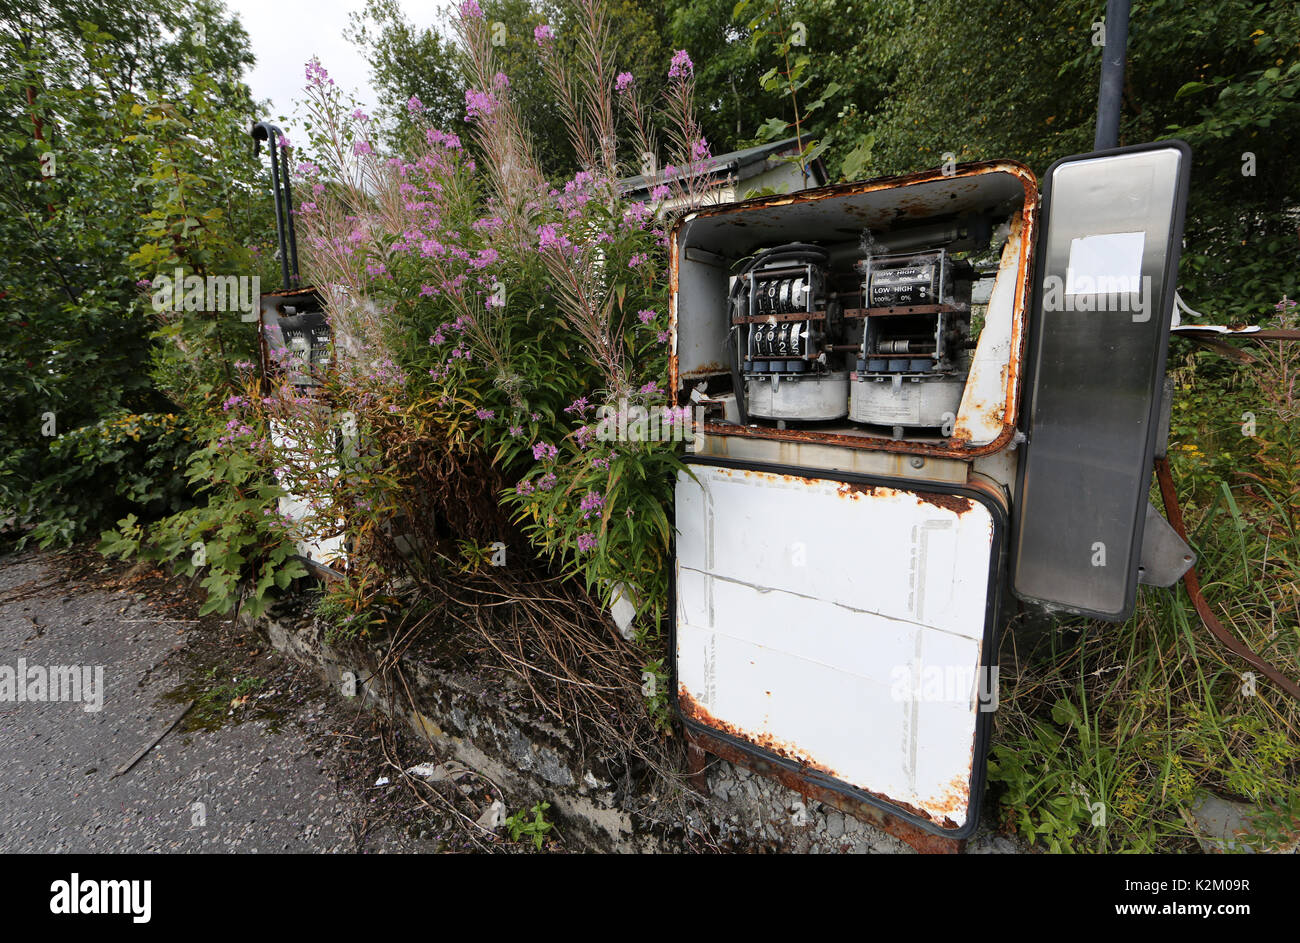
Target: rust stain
x=1003 y=412
x=950 y=802
x=974 y=169
x=920 y=839
x=674 y=380
x=769 y=476
x=708 y=369
x=853 y=490
x=955 y=450
x=949 y=502
x=954 y=798
x=784 y=749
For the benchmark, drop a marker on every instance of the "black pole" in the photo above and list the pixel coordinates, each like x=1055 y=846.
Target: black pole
x=1111 y=91
x=292 y=227
x=269 y=132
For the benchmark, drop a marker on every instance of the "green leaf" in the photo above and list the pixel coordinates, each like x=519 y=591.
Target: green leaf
x=772 y=129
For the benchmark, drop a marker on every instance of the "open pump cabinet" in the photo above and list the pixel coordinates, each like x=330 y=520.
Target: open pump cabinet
x=921 y=395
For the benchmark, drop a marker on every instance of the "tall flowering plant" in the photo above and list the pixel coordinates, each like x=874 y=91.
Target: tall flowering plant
x=532 y=315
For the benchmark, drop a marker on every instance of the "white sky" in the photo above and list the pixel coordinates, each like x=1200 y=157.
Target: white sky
x=286 y=33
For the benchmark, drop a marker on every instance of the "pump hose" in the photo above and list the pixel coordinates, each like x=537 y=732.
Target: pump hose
x=1193 y=583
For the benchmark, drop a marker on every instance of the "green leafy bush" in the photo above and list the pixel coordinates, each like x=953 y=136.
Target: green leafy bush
x=97 y=472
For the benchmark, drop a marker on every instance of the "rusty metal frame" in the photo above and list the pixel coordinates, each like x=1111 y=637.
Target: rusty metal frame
x=1014 y=384
x=897 y=819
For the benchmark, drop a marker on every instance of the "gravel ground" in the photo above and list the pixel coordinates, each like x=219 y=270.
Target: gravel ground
x=266 y=760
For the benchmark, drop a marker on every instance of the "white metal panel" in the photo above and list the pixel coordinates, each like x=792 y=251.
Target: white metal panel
x=311 y=542
x=837 y=625
x=987 y=397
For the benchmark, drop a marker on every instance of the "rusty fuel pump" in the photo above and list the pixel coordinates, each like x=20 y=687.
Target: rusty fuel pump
x=295 y=345
x=925 y=397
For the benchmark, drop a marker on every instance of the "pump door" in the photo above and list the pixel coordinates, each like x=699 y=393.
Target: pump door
x=1105 y=277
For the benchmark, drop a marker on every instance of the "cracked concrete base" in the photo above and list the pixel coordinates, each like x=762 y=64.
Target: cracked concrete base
x=477 y=722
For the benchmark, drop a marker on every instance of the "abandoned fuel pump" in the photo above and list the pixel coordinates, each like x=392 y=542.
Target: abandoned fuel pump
x=295 y=343
x=912 y=374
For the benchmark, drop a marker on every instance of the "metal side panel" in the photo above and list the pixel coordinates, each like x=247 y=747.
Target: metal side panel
x=1105 y=278
x=841 y=626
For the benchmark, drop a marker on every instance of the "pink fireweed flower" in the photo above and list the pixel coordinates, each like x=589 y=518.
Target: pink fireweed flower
x=583 y=436
x=543 y=34
x=484 y=258
x=637 y=213
x=316 y=73
x=587 y=542
x=544 y=450
x=547 y=481
x=549 y=237
x=478 y=104
x=639 y=259
x=470 y=10
x=360 y=115
x=435 y=137
x=414 y=105
x=361 y=147
x=651 y=389
x=660 y=193
x=485 y=414
x=646 y=316
x=515 y=431
x=579 y=406
x=590 y=504
x=681 y=67
x=663 y=337
x=307 y=167
x=524 y=488
x=623 y=82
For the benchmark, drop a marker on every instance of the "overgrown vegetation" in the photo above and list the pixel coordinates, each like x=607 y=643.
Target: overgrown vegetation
x=490 y=288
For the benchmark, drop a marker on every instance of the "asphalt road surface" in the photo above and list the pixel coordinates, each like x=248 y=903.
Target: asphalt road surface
x=286 y=769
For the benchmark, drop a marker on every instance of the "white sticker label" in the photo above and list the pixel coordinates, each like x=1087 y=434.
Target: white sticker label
x=1104 y=264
